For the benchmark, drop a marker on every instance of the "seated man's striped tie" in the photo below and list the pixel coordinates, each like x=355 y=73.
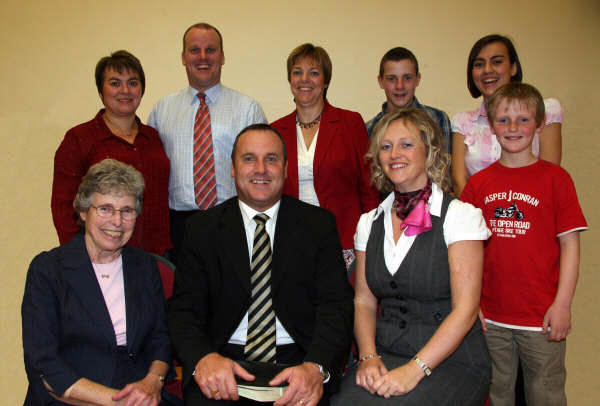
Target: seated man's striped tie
x=260 y=341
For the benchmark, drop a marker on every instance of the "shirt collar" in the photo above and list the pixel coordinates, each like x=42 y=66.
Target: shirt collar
x=435 y=202
x=383 y=108
x=248 y=212
x=212 y=94
x=481 y=112
x=415 y=103
x=106 y=133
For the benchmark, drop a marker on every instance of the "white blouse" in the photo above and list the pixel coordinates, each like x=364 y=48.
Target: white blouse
x=306 y=157
x=463 y=222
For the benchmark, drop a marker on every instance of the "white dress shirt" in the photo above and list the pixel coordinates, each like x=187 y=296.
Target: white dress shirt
x=173 y=117
x=248 y=213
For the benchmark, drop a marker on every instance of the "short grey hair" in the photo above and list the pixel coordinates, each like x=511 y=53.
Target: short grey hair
x=110 y=177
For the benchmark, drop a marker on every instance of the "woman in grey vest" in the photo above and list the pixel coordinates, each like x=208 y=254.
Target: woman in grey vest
x=420 y=259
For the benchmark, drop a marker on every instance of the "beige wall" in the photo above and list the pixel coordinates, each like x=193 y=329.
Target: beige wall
x=49 y=52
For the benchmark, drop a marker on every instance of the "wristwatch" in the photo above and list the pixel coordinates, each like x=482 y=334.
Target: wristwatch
x=325 y=375
x=422 y=365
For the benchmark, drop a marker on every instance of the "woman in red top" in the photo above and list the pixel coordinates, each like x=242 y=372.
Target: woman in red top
x=117 y=133
x=325 y=147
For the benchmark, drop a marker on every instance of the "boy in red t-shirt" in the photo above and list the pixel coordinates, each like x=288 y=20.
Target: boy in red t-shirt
x=531 y=260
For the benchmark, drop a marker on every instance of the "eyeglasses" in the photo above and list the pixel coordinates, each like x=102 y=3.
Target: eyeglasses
x=107 y=211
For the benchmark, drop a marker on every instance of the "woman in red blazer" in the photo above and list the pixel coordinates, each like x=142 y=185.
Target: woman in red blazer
x=325 y=147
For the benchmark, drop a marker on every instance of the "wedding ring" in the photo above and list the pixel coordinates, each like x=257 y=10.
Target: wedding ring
x=214 y=392
x=301 y=401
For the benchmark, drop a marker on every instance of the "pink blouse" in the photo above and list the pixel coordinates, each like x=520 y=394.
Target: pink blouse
x=110 y=279
x=482 y=147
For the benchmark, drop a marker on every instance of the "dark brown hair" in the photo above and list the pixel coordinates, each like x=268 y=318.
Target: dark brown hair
x=119 y=61
x=482 y=43
x=398 y=54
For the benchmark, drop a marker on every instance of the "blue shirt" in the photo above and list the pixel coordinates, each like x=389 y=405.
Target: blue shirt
x=173 y=118
x=438 y=115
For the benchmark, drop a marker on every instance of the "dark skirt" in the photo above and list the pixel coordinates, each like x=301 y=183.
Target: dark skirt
x=449 y=384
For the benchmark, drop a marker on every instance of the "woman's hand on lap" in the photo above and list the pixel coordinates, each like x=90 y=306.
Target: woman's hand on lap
x=369 y=371
x=141 y=393
x=399 y=381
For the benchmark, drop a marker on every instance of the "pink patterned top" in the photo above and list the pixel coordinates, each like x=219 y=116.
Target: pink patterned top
x=482 y=147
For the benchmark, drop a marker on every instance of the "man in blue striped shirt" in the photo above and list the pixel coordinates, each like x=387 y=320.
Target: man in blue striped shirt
x=173 y=117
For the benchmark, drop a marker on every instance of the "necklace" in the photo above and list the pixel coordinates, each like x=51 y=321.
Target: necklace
x=311 y=124
x=114 y=126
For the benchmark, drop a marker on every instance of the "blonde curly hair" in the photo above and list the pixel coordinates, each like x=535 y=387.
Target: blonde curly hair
x=437 y=163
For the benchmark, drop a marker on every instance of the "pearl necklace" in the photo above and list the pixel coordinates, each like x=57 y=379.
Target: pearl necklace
x=311 y=124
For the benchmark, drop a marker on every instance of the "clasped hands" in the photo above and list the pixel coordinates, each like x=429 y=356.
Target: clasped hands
x=145 y=392
x=373 y=376
x=215 y=375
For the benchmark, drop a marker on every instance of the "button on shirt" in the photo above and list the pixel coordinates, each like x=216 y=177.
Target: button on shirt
x=248 y=213
x=173 y=118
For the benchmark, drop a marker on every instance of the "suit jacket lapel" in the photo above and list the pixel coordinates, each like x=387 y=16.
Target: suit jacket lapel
x=80 y=275
x=232 y=244
x=285 y=230
x=288 y=132
x=328 y=130
x=132 y=302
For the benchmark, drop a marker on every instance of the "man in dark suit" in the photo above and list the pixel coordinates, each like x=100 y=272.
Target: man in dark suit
x=211 y=316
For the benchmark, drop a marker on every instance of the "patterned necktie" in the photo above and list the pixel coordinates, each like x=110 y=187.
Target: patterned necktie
x=260 y=342
x=205 y=182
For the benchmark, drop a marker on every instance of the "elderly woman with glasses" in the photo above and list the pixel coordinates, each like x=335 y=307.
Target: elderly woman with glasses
x=94 y=324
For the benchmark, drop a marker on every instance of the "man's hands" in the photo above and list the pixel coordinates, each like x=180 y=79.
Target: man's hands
x=214 y=374
x=305 y=385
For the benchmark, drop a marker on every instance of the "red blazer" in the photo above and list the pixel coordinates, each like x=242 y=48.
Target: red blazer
x=341 y=176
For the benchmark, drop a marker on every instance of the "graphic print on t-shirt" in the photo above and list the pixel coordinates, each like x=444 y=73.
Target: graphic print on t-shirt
x=510 y=221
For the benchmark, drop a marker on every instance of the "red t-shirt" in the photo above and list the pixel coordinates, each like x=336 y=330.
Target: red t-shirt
x=526 y=209
x=90 y=143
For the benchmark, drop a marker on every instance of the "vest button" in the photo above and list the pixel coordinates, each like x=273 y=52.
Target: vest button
x=393 y=284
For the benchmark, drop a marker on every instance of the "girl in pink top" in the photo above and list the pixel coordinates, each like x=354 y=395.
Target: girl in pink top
x=493 y=62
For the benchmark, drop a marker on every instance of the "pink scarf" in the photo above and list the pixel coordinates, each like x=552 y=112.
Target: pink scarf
x=413 y=209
